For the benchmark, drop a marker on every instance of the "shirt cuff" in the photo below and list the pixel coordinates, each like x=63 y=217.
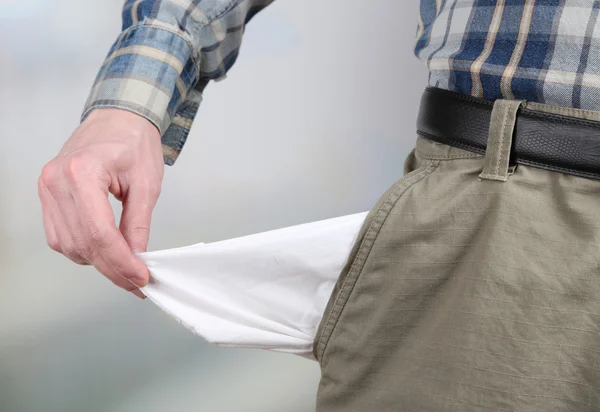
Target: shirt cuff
x=150 y=71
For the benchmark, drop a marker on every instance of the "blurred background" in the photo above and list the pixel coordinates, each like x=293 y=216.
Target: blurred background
x=325 y=95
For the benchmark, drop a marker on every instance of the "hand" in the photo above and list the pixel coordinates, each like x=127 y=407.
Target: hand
x=111 y=151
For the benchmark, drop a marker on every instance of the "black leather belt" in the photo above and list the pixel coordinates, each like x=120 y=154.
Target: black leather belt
x=548 y=141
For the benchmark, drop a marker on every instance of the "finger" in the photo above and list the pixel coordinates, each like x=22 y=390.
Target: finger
x=138 y=205
x=103 y=267
x=69 y=228
x=49 y=229
x=100 y=231
x=61 y=233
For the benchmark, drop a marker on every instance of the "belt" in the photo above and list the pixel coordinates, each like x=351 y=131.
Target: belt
x=554 y=142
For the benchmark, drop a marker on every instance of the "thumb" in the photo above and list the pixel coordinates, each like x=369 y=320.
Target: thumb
x=136 y=217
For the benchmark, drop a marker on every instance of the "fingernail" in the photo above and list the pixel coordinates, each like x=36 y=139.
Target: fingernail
x=139 y=294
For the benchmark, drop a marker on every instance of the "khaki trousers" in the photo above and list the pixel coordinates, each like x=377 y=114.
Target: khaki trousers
x=469 y=294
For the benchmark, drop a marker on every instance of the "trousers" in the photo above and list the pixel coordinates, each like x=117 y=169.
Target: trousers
x=464 y=293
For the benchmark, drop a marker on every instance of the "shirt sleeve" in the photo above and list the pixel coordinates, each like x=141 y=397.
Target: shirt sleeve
x=168 y=51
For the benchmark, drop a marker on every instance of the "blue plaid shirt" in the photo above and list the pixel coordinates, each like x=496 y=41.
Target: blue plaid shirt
x=546 y=51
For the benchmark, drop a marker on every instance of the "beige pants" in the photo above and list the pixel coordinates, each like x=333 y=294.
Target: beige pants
x=468 y=294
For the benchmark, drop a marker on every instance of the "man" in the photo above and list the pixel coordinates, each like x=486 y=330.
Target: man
x=475 y=281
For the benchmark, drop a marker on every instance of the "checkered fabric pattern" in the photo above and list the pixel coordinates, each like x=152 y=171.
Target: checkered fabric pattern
x=166 y=54
x=546 y=51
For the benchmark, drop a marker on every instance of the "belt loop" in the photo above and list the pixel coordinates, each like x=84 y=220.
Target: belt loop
x=500 y=137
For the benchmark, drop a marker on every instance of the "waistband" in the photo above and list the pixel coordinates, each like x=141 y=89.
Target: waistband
x=553 y=138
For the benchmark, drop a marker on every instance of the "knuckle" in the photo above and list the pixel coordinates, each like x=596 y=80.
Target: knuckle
x=73 y=255
x=54 y=244
x=49 y=176
x=69 y=252
x=81 y=261
x=151 y=187
x=85 y=250
x=74 y=167
x=140 y=230
x=97 y=236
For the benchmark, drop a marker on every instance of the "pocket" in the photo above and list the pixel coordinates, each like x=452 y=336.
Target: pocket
x=421 y=168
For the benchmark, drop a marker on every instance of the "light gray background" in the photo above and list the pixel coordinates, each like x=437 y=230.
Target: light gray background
x=314 y=121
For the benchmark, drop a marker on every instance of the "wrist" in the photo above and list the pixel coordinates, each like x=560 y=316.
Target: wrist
x=122 y=116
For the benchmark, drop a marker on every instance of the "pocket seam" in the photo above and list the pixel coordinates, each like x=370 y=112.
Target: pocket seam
x=363 y=253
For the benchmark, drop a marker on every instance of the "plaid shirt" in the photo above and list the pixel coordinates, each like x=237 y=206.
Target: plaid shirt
x=546 y=51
